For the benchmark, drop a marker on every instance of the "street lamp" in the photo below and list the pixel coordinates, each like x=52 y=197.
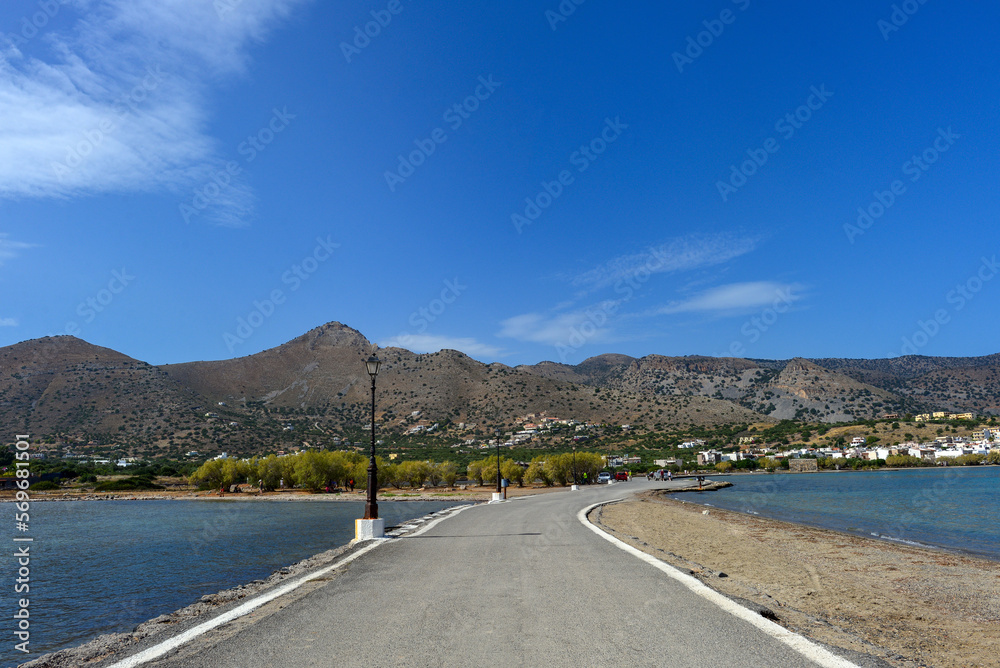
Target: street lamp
x=574 y=465
x=371 y=505
x=496 y=432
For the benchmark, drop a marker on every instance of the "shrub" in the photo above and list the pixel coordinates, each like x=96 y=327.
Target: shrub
x=127 y=485
x=44 y=486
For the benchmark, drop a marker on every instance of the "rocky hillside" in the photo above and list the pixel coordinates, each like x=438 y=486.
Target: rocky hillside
x=830 y=390
x=323 y=373
x=316 y=386
x=69 y=389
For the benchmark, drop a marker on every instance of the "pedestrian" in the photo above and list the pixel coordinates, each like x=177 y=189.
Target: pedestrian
x=350 y=484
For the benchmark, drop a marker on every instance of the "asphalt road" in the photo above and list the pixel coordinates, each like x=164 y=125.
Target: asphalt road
x=521 y=583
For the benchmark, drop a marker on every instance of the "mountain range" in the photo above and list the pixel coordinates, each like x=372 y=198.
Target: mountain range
x=77 y=395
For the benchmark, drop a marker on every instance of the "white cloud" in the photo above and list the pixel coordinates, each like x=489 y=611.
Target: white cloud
x=562 y=329
x=689 y=253
x=118 y=104
x=737 y=297
x=9 y=322
x=431 y=343
x=11 y=249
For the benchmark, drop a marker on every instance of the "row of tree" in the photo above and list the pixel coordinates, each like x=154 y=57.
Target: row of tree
x=547 y=469
x=317 y=470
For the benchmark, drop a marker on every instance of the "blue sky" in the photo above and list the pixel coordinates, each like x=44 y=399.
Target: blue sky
x=524 y=181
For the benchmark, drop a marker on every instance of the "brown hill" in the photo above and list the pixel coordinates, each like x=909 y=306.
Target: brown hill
x=76 y=392
x=322 y=373
x=316 y=386
x=795 y=389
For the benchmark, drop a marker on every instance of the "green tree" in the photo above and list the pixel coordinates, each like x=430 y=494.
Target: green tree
x=449 y=473
x=559 y=468
x=475 y=471
x=513 y=471
x=312 y=470
x=208 y=475
x=536 y=472
x=269 y=472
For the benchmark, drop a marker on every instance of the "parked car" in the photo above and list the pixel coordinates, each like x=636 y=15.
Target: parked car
x=603 y=477
x=621 y=475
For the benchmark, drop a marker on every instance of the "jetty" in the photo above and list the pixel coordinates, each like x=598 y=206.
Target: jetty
x=530 y=581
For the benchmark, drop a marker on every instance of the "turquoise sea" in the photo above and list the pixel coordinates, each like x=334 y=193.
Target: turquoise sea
x=951 y=508
x=106 y=566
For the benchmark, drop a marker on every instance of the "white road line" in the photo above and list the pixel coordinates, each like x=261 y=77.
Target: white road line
x=157 y=651
x=432 y=523
x=806 y=648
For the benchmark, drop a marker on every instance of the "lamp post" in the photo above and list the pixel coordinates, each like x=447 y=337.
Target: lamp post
x=574 y=466
x=496 y=432
x=371 y=505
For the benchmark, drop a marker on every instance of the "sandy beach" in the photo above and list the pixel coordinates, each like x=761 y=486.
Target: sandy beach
x=909 y=606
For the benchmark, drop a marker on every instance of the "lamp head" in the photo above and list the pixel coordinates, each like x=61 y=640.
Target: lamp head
x=373 y=363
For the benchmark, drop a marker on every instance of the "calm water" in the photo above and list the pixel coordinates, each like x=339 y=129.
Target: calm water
x=106 y=566
x=954 y=508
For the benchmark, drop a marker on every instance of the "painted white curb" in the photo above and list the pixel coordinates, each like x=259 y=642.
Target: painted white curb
x=806 y=648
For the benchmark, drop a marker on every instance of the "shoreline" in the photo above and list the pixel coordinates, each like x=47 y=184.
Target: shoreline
x=422 y=494
x=911 y=606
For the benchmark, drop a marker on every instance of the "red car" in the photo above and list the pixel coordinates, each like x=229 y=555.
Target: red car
x=621 y=475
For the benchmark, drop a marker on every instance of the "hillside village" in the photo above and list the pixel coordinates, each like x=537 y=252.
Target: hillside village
x=81 y=402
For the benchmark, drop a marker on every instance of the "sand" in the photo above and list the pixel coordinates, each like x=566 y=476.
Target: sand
x=908 y=606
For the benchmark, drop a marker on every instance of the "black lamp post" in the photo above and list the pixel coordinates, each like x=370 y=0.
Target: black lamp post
x=496 y=432
x=574 y=465
x=371 y=505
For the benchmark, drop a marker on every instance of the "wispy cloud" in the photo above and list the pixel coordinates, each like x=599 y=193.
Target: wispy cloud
x=9 y=322
x=11 y=249
x=736 y=297
x=559 y=328
x=118 y=104
x=431 y=343
x=685 y=254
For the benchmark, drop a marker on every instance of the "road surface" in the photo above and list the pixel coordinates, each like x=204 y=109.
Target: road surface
x=519 y=583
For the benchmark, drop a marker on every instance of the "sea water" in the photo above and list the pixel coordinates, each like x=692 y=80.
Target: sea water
x=105 y=566
x=952 y=508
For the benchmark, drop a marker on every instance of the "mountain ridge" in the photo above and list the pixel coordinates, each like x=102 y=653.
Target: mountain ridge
x=71 y=390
